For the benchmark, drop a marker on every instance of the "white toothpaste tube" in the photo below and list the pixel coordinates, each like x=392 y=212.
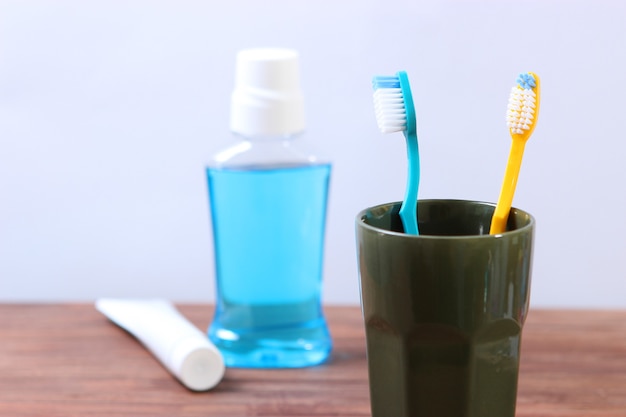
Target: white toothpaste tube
x=183 y=349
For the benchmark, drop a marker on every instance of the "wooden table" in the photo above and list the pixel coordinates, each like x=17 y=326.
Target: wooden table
x=68 y=360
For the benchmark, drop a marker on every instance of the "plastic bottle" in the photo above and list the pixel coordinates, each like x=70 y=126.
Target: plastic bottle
x=268 y=198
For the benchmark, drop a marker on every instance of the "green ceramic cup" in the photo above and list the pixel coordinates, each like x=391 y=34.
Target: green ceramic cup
x=444 y=310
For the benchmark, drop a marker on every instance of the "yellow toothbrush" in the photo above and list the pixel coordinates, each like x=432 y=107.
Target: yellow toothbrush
x=521 y=119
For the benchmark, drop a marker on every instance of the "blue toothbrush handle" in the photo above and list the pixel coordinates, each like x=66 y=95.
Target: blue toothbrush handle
x=408 y=210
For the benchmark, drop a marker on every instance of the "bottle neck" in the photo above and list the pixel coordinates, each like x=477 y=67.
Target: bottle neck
x=267 y=138
x=268 y=150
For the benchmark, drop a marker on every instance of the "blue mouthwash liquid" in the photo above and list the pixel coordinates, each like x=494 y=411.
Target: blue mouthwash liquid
x=268 y=226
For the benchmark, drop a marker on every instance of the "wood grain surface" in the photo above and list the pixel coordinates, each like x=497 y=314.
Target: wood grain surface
x=69 y=360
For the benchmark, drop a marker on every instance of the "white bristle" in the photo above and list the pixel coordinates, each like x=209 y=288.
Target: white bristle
x=520 y=110
x=390 y=110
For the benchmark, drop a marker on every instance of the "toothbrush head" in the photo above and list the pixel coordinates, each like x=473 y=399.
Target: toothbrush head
x=393 y=103
x=523 y=107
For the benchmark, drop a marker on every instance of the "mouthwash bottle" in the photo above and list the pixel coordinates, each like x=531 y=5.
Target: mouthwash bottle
x=268 y=196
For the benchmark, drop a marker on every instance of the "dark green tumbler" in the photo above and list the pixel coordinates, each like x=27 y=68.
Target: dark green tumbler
x=444 y=310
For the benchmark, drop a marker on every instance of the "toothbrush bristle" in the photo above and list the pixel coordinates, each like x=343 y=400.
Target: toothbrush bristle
x=522 y=104
x=389 y=104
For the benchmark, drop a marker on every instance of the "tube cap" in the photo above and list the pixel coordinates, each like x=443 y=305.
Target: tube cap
x=267 y=99
x=197 y=363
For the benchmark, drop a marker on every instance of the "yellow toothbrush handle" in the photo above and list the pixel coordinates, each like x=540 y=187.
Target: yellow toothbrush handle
x=501 y=213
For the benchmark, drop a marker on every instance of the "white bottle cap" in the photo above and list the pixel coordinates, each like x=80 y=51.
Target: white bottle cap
x=267 y=99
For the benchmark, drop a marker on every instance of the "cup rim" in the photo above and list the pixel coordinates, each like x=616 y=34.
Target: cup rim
x=361 y=223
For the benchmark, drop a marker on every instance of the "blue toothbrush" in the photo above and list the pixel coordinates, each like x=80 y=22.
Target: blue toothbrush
x=395 y=112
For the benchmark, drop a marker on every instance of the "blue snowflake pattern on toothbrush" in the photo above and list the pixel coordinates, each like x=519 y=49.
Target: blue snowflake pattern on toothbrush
x=526 y=81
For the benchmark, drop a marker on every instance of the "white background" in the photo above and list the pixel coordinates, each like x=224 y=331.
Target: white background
x=109 y=109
